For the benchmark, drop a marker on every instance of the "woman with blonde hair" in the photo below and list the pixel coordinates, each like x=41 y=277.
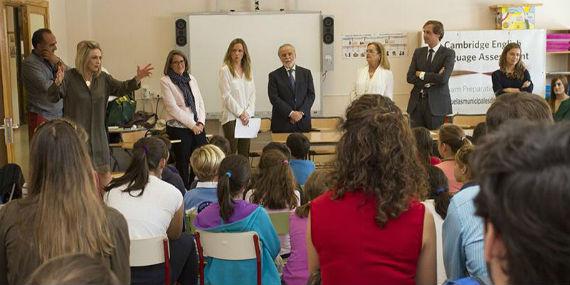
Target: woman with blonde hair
x=371 y=224
x=512 y=75
x=85 y=90
x=63 y=213
x=238 y=93
x=376 y=77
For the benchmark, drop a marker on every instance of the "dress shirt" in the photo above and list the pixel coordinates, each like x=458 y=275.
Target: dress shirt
x=382 y=82
x=238 y=95
x=463 y=251
x=435 y=48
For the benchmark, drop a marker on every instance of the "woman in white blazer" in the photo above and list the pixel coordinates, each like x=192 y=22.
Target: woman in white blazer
x=375 y=77
x=185 y=112
x=238 y=94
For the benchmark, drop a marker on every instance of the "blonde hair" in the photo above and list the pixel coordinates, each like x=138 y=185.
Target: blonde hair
x=69 y=215
x=82 y=57
x=384 y=62
x=245 y=61
x=206 y=160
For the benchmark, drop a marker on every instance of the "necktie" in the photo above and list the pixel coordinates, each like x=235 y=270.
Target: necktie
x=291 y=78
x=430 y=57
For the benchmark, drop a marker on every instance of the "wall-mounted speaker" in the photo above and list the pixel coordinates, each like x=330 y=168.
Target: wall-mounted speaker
x=181 y=35
x=327 y=43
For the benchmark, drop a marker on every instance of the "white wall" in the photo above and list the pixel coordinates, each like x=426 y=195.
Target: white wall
x=135 y=32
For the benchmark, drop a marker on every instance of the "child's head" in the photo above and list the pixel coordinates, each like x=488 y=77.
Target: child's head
x=278 y=146
x=275 y=184
x=166 y=140
x=222 y=143
x=479 y=132
x=439 y=190
x=233 y=176
x=318 y=182
x=463 y=171
x=205 y=162
x=424 y=143
x=451 y=138
x=299 y=145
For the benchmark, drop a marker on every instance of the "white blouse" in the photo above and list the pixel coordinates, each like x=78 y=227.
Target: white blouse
x=175 y=105
x=382 y=82
x=238 y=95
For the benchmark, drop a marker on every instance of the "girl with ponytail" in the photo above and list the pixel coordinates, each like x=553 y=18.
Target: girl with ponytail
x=451 y=139
x=153 y=208
x=232 y=214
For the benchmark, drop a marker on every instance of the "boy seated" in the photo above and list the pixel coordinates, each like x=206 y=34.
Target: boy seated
x=302 y=167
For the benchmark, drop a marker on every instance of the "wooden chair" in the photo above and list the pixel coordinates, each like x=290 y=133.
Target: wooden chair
x=128 y=139
x=467 y=121
x=228 y=246
x=280 y=221
x=151 y=251
x=325 y=123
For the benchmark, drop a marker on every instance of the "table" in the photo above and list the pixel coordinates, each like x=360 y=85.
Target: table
x=315 y=138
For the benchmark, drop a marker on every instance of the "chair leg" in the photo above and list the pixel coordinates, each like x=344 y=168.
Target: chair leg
x=200 y=256
x=258 y=258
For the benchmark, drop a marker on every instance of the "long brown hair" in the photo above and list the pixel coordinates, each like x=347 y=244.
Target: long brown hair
x=518 y=73
x=453 y=136
x=245 y=61
x=275 y=185
x=376 y=155
x=564 y=82
x=317 y=183
x=234 y=174
x=70 y=215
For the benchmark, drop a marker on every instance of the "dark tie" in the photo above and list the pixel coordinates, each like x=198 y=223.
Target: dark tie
x=291 y=78
x=430 y=57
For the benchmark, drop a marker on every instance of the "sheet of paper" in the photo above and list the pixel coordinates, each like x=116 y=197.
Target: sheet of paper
x=247 y=132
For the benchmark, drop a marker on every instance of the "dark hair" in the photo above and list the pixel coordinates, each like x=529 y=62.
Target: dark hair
x=299 y=145
x=517 y=106
x=166 y=140
x=38 y=36
x=275 y=185
x=437 y=28
x=518 y=72
x=222 y=143
x=424 y=144
x=564 y=81
x=233 y=176
x=73 y=269
x=523 y=174
x=453 y=136
x=478 y=133
x=318 y=182
x=278 y=146
x=146 y=155
x=369 y=160
x=439 y=190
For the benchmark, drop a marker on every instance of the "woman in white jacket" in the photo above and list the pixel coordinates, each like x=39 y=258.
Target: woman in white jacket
x=238 y=94
x=185 y=112
x=375 y=77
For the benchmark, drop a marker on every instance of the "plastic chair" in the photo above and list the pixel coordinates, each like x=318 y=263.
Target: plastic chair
x=151 y=251
x=228 y=246
x=280 y=221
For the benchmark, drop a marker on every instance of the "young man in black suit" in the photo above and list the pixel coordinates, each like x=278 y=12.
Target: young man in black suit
x=429 y=72
x=292 y=93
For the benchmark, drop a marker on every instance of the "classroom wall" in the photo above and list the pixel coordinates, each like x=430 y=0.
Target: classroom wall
x=135 y=32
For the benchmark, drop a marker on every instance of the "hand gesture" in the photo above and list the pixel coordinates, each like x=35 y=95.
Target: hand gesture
x=244 y=118
x=442 y=70
x=59 y=75
x=50 y=56
x=146 y=71
x=196 y=129
x=296 y=116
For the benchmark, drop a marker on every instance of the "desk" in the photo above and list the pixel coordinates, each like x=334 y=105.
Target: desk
x=314 y=137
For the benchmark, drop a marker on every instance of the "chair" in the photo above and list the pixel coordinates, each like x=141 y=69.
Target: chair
x=325 y=123
x=228 y=246
x=190 y=217
x=280 y=221
x=467 y=121
x=151 y=251
x=265 y=127
x=128 y=139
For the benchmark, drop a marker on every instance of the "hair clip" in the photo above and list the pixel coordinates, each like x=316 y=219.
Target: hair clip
x=439 y=190
x=285 y=162
x=229 y=174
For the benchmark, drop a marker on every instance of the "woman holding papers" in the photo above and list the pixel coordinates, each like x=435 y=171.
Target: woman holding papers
x=185 y=112
x=376 y=77
x=238 y=94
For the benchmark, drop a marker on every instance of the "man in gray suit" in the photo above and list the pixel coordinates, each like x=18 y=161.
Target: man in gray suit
x=429 y=72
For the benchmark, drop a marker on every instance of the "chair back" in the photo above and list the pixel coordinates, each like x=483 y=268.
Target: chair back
x=151 y=251
x=467 y=121
x=265 y=125
x=280 y=221
x=228 y=246
x=133 y=137
x=325 y=123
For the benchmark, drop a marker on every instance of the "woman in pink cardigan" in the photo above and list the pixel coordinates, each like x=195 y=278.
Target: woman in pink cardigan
x=185 y=112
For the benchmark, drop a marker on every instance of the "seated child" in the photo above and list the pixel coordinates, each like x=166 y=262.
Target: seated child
x=205 y=162
x=302 y=167
x=231 y=214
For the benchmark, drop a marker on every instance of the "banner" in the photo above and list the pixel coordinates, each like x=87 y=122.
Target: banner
x=354 y=45
x=477 y=56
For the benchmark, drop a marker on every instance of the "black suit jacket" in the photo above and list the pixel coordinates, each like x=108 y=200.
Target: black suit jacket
x=284 y=99
x=438 y=92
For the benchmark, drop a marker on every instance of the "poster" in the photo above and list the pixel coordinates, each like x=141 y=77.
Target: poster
x=354 y=46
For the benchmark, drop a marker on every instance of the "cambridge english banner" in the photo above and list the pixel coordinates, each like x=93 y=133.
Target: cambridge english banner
x=477 y=55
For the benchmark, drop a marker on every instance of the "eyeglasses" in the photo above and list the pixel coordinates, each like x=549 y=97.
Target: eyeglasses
x=371 y=51
x=177 y=62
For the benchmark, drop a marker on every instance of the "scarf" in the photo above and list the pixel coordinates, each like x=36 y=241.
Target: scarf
x=183 y=82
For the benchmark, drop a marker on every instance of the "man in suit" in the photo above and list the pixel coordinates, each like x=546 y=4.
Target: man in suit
x=291 y=93
x=429 y=72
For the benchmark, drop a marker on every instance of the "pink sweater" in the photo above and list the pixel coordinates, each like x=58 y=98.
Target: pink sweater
x=296 y=270
x=447 y=166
